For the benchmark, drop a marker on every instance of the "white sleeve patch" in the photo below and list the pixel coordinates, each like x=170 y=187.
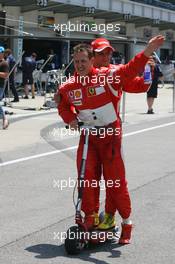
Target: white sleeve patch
x=113 y=91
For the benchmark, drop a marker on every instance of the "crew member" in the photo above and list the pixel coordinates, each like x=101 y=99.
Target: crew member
x=97 y=105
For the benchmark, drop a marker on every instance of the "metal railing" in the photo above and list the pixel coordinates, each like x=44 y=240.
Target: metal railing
x=157 y=3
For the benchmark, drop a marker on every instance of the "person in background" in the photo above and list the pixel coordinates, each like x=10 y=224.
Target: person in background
x=4 y=70
x=54 y=60
x=153 y=91
x=28 y=66
x=11 y=62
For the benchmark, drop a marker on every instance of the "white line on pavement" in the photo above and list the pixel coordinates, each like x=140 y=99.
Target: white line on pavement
x=75 y=147
x=33 y=114
x=36 y=156
x=148 y=129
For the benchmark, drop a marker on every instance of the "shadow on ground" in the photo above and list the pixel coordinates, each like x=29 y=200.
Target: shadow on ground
x=48 y=251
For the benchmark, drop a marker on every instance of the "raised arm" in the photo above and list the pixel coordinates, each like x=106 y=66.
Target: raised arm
x=137 y=64
x=136 y=85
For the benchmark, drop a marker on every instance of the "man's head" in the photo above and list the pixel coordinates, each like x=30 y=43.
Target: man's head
x=7 y=52
x=1 y=52
x=102 y=52
x=34 y=55
x=83 y=59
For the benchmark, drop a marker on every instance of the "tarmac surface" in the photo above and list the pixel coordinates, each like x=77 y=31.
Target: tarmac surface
x=36 y=206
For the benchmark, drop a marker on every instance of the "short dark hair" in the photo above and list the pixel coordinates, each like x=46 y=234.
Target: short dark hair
x=84 y=47
x=34 y=55
x=8 y=51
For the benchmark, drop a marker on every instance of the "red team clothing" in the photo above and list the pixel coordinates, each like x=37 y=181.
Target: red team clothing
x=98 y=105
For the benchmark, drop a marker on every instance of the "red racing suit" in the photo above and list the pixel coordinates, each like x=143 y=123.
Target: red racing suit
x=98 y=105
x=135 y=85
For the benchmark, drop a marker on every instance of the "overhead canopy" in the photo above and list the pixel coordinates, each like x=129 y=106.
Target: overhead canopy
x=77 y=11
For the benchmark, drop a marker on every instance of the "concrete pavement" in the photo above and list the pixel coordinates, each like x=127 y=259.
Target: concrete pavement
x=33 y=210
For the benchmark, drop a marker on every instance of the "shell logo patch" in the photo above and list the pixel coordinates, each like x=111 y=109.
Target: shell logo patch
x=77 y=94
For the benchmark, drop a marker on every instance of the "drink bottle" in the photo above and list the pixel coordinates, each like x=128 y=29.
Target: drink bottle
x=147 y=74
